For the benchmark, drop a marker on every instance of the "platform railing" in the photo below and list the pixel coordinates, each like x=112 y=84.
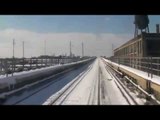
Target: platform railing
x=151 y=65
x=10 y=66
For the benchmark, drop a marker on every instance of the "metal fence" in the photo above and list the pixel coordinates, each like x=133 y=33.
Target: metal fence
x=11 y=65
x=147 y=64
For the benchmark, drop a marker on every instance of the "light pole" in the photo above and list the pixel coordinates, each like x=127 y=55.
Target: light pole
x=23 y=54
x=82 y=50
x=13 y=62
x=45 y=47
x=45 y=51
x=70 y=49
x=112 y=55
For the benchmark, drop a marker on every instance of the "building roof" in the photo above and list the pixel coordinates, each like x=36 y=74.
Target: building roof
x=130 y=41
x=139 y=36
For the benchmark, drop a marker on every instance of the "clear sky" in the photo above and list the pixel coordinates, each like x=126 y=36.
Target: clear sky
x=60 y=29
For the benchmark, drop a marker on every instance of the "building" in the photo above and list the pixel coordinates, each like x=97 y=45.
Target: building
x=144 y=45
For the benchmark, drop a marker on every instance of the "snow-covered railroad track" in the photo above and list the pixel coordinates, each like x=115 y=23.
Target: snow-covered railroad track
x=60 y=97
x=44 y=87
x=99 y=85
x=37 y=94
x=125 y=93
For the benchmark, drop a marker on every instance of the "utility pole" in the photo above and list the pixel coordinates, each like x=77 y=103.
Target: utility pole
x=112 y=54
x=23 y=54
x=13 y=62
x=23 y=48
x=70 y=49
x=45 y=47
x=13 y=47
x=45 y=51
x=82 y=50
x=112 y=50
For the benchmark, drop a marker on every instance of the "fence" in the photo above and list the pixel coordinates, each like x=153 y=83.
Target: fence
x=147 y=64
x=11 y=65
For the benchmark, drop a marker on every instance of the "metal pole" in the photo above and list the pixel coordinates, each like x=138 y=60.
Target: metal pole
x=13 y=65
x=45 y=52
x=112 y=50
x=112 y=55
x=13 y=47
x=70 y=49
x=82 y=50
x=23 y=54
x=45 y=47
x=23 y=49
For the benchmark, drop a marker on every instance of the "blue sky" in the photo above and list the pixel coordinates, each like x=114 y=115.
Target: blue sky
x=74 y=23
x=98 y=33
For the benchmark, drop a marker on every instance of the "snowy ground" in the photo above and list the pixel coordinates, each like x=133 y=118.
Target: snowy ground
x=88 y=85
x=109 y=90
x=11 y=79
x=87 y=92
x=155 y=79
x=40 y=92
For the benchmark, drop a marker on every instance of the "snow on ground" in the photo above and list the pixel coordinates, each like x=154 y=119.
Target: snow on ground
x=71 y=85
x=112 y=94
x=11 y=79
x=86 y=92
x=40 y=97
x=155 y=79
x=81 y=94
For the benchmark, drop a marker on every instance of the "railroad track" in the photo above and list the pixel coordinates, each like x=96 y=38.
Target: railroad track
x=42 y=88
x=103 y=93
x=131 y=100
x=50 y=82
x=94 y=93
x=150 y=99
x=99 y=85
x=61 y=96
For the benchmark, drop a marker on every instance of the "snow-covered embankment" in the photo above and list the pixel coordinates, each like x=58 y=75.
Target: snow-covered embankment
x=24 y=78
